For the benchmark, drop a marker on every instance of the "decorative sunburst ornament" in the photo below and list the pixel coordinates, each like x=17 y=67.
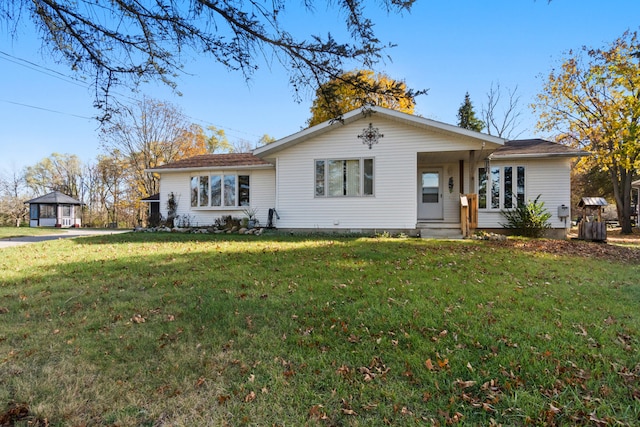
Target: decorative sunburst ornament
x=370 y=136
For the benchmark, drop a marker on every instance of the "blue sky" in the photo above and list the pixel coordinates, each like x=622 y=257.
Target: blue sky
x=447 y=46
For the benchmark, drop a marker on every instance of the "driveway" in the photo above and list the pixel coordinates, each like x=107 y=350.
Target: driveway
x=69 y=233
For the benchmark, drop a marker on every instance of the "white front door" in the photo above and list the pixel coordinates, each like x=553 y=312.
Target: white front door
x=430 y=194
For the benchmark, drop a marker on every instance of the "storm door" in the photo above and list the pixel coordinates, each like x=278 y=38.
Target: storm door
x=430 y=194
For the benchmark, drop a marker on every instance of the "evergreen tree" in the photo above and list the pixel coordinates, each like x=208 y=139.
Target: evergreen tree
x=467 y=117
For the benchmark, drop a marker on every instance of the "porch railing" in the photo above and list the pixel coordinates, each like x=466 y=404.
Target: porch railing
x=468 y=213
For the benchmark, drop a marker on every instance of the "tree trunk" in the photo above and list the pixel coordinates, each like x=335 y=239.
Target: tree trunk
x=621 y=180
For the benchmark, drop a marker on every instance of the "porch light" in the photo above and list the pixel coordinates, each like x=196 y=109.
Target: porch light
x=370 y=136
x=487 y=163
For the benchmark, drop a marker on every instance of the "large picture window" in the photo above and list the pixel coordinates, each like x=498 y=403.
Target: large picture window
x=222 y=190
x=501 y=187
x=337 y=178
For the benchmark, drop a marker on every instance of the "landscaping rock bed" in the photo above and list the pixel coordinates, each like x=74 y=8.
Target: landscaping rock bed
x=201 y=230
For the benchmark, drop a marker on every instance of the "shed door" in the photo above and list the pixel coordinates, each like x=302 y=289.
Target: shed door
x=430 y=194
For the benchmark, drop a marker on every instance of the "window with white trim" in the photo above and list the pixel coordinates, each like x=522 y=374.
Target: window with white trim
x=501 y=187
x=220 y=190
x=343 y=177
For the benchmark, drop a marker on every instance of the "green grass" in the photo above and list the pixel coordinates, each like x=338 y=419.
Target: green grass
x=7 y=232
x=166 y=329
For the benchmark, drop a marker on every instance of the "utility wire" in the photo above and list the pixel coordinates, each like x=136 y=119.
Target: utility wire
x=78 y=82
x=46 y=109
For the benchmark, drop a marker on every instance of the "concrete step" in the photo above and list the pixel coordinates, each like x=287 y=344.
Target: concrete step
x=439 y=230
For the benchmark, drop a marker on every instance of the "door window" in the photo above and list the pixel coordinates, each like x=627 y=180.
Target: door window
x=430 y=187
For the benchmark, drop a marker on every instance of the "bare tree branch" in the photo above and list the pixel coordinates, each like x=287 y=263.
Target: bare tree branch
x=502 y=118
x=131 y=41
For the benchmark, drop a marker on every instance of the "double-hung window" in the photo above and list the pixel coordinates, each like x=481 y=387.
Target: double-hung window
x=220 y=190
x=338 y=177
x=501 y=187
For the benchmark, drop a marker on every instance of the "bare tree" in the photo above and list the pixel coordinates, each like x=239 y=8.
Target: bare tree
x=150 y=134
x=120 y=41
x=502 y=114
x=12 y=198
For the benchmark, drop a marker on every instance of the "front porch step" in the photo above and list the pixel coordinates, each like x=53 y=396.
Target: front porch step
x=439 y=230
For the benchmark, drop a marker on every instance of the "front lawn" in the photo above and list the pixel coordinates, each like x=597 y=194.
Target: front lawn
x=166 y=329
x=7 y=232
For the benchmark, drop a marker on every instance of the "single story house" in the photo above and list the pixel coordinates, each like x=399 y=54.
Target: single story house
x=54 y=210
x=375 y=170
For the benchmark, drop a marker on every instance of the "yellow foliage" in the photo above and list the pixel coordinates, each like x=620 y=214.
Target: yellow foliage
x=355 y=89
x=593 y=102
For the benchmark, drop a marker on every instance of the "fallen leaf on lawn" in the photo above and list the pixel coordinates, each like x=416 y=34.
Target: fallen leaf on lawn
x=405 y=411
x=348 y=411
x=317 y=413
x=469 y=367
x=250 y=397
x=343 y=370
x=598 y=421
x=465 y=384
x=582 y=332
x=200 y=381
x=443 y=363
x=138 y=319
x=429 y=364
x=223 y=398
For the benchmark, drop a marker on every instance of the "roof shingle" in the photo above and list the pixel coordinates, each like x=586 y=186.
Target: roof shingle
x=535 y=147
x=216 y=160
x=55 y=197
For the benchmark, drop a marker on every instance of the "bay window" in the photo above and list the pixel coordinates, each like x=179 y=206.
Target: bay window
x=501 y=187
x=220 y=190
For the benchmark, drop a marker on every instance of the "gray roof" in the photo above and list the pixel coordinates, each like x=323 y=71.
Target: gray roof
x=536 y=148
x=152 y=198
x=55 y=198
x=592 y=201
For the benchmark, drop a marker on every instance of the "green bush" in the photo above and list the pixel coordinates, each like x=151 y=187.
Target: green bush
x=529 y=219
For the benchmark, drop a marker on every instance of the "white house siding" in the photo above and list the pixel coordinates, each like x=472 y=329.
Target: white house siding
x=394 y=204
x=450 y=199
x=262 y=196
x=549 y=177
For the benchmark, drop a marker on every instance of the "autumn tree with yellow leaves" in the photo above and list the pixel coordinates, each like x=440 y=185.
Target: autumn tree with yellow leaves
x=149 y=134
x=360 y=88
x=593 y=102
